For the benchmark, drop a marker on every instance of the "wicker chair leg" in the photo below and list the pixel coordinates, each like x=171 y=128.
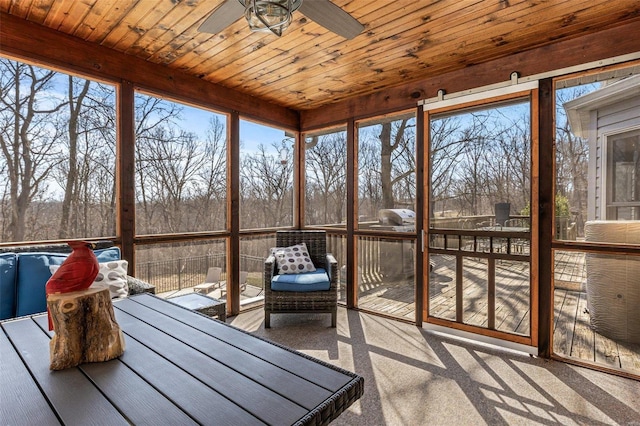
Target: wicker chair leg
x=267 y=319
x=334 y=315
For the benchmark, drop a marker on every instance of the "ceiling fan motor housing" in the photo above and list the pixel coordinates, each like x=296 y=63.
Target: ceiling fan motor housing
x=270 y=15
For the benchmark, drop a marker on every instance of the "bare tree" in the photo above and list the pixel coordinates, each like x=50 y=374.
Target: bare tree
x=75 y=105
x=211 y=184
x=153 y=115
x=470 y=182
x=27 y=138
x=446 y=147
x=267 y=187
x=397 y=154
x=572 y=158
x=369 y=176
x=172 y=160
x=326 y=185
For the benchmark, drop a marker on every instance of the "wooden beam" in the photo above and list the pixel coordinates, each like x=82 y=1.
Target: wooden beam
x=420 y=261
x=233 y=216
x=546 y=133
x=580 y=50
x=353 y=277
x=126 y=219
x=25 y=40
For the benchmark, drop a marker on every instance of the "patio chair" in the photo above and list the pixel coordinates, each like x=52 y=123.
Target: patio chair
x=305 y=292
x=243 y=280
x=243 y=283
x=516 y=223
x=212 y=279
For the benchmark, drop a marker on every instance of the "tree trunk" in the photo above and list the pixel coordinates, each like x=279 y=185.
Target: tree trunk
x=388 y=201
x=85 y=328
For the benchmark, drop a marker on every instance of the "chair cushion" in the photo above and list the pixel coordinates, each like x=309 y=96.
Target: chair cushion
x=317 y=280
x=108 y=254
x=8 y=266
x=294 y=259
x=33 y=274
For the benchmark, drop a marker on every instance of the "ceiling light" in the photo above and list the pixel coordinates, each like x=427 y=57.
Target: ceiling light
x=270 y=15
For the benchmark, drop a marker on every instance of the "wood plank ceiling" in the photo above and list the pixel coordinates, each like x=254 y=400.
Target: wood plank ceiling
x=308 y=66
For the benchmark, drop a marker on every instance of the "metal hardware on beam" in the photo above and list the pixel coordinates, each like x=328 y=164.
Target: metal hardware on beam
x=514 y=77
x=478 y=94
x=549 y=74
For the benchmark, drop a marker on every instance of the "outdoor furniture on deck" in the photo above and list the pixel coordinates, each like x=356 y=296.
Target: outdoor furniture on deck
x=212 y=279
x=243 y=283
x=204 y=304
x=613 y=281
x=506 y=239
x=179 y=367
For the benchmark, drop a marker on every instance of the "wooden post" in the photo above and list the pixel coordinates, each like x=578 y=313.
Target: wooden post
x=85 y=328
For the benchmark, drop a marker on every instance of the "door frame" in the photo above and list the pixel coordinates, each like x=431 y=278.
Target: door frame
x=461 y=102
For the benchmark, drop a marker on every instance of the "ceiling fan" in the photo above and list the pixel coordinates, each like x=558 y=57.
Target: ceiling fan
x=275 y=15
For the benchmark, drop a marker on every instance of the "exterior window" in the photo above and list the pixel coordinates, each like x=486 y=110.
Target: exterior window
x=172 y=267
x=481 y=166
x=386 y=174
x=57 y=155
x=181 y=168
x=326 y=178
x=623 y=172
x=266 y=176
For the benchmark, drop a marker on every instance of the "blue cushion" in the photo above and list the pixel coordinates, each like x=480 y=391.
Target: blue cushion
x=307 y=281
x=8 y=266
x=108 y=254
x=34 y=272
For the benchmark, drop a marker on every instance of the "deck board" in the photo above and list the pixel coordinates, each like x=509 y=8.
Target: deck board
x=583 y=339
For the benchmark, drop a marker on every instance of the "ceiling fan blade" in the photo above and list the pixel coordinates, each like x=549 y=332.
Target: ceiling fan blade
x=226 y=14
x=332 y=17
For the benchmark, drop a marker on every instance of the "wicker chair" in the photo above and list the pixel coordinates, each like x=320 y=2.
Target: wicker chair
x=307 y=301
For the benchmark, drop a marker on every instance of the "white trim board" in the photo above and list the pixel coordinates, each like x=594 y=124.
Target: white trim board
x=492 y=91
x=480 y=339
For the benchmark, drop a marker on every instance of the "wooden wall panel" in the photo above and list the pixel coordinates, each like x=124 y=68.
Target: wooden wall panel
x=593 y=47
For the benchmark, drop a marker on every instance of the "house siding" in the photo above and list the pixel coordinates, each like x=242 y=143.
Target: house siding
x=611 y=119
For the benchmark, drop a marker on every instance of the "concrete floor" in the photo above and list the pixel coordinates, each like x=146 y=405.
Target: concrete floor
x=415 y=377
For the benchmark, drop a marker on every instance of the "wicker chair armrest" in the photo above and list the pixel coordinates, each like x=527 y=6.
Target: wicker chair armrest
x=270 y=264
x=137 y=286
x=269 y=271
x=332 y=269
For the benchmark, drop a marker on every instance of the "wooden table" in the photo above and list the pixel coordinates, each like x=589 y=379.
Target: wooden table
x=179 y=367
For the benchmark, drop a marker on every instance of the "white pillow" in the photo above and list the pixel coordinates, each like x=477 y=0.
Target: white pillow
x=111 y=275
x=294 y=259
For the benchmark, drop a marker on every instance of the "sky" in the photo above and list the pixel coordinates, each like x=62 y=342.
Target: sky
x=197 y=120
x=251 y=134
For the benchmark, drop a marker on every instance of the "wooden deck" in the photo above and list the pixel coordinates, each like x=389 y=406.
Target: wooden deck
x=573 y=337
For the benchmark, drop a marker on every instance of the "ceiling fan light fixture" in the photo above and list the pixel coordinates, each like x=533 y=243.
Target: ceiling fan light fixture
x=268 y=15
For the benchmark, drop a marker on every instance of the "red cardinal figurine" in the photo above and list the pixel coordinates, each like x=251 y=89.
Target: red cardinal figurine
x=76 y=273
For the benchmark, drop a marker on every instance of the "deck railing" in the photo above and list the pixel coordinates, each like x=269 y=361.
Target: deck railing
x=176 y=274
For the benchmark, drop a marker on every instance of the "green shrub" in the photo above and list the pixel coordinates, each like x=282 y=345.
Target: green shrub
x=562 y=207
